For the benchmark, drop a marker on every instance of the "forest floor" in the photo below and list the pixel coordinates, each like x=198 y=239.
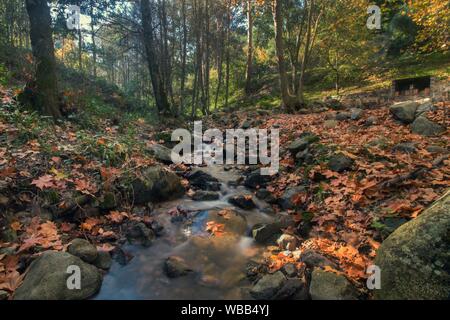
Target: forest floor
x=66 y=181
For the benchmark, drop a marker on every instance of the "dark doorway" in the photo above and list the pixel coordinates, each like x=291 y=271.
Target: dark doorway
x=412 y=86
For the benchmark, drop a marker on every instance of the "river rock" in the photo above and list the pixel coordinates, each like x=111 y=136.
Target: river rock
x=287 y=242
x=424 y=108
x=356 y=113
x=425 y=127
x=3 y=295
x=415 y=258
x=156 y=184
x=243 y=201
x=330 y=124
x=202 y=195
x=291 y=290
x=342 y=116
x=47 y=277
x=84 y=250
x=305 y=140
x=255 y=179
x=405 y=147
x=103 y=261
x=139 y=233
x=331 y=286
x=3 y=201
x=175 y=267
x=436 y=149
x=108 y=201
x=334 y=104
x=404 y=111
x=286 y=201
x=204 y=181
x=267 y=232
x=268 y=286
x=266 y=195
x=313 y=259
x=371 y=121
x=289 y=270
x=161 y=153
x=340 y=163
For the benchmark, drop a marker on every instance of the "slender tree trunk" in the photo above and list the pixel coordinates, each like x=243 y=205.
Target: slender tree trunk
x=159 y=91
x=220 y=50
x=227 y=58
x=183 y=58
x=43 y=52
x=94 y=44
x=306 y=53
x=248 y=84
x=208 y=55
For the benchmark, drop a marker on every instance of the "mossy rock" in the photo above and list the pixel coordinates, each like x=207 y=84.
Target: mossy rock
x=156 y=184
x=415 y=259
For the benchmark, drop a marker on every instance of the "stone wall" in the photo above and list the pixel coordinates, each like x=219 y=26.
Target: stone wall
x=439 y=91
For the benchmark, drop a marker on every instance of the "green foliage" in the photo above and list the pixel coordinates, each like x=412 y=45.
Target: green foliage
x=5 y=75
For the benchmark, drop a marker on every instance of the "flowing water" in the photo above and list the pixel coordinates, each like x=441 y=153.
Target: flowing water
x=219 y=262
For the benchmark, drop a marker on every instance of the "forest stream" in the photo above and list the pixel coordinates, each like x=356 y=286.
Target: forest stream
x=219 y=263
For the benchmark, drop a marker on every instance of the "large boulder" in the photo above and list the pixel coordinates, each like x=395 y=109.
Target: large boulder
x=425 y=127
x=155 y=185
x=405 y=111
x=268 y=286
x=415 y=259
x=327 y=285
x=47 y=277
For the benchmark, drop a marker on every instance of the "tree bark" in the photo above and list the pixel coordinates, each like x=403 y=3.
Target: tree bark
x=290 y=101
x=94 y=44
x=162 y=103
x=183 y=57
x=248 y=83
x=43 y=52
x=227 y=55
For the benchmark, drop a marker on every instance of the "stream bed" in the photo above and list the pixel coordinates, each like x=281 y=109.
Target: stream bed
x=219 y=262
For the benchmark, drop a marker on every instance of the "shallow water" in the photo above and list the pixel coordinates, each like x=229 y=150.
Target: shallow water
x=219 y=262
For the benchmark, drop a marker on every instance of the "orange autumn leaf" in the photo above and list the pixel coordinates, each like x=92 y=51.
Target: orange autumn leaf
x=117 y=217
x=216 y=229
x=16 y=226
x=90 y=223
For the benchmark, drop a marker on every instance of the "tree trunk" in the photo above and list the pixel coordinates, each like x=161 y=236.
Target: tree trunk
x=227 y=58
x=208 y=56
x=290 y=102
x=159 y=91
x=43 y=52
x=248 y=84
x=94 y=44
x=183 y=57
